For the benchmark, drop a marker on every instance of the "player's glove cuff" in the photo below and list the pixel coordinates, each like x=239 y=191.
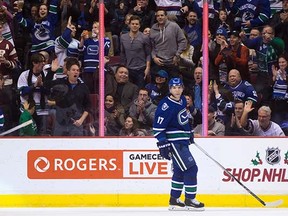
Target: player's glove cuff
x=191 y=140
x=165 y=149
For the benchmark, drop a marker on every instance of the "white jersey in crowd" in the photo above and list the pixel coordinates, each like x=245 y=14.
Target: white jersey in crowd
x=172 y=6
x=273 y=130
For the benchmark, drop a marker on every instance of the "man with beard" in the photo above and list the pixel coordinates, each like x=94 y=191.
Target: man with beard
x=193 y=28
x=168 y=42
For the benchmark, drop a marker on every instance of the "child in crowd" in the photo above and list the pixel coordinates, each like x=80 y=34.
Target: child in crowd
x=223 y=21
x=28 y=111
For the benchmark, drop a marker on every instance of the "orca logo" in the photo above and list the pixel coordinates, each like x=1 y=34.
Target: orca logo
x=183 y=117
x=42 y=33
x=41 y=160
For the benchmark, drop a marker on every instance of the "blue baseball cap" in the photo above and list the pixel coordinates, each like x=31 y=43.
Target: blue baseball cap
x=222 y=31
x=162 y=73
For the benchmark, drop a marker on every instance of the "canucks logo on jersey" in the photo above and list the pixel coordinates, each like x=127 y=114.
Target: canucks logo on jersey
x=183 y=117
x=42 y=33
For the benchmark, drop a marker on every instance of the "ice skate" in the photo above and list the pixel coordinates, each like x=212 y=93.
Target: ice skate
x=194 y=205
x=175 y=204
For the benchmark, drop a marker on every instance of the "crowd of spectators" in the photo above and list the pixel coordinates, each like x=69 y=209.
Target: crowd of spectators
x=49 y=65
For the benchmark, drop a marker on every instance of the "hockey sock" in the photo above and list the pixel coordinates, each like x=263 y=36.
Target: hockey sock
x=190 y=182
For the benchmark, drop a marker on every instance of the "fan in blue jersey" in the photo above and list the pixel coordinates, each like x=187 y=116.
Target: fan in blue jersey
x=89 y=48
x=174 y=134
x=241 y=89
x=42 y=29
x=250 y=13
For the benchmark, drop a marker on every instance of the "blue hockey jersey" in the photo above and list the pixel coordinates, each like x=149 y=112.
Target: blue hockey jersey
x=90 y=52
x=243 y=91
x=171 y=121
x=257 y=12
x=42 y=33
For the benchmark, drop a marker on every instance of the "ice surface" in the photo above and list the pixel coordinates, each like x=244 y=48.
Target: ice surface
x=140 y=212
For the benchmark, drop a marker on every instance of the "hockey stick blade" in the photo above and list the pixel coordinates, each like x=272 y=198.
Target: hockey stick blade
x=266 y=204
x=274 y=203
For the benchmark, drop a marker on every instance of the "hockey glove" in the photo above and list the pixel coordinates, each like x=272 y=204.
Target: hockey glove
x=165 y=149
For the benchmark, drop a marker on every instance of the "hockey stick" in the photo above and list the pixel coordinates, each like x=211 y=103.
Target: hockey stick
x=17 y=127
x=266 y=204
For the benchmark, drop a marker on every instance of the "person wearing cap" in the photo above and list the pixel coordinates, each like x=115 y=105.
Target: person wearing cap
x=173 y=131
x=214 y=128
x=222 y=31
x=159 y=88
x=235 y=56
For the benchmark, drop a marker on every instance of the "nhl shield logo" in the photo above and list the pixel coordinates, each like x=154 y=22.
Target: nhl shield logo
x=273 y=155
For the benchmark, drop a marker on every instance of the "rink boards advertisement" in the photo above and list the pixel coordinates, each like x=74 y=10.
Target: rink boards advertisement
x=132 y=166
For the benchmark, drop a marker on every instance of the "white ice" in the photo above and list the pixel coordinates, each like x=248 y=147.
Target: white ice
x=140 y=212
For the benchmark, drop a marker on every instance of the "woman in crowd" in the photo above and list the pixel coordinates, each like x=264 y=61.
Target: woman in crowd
x=114 y=116
x=131 y=128
x=42 y=29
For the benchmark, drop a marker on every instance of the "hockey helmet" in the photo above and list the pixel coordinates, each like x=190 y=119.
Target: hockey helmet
x=176 y=81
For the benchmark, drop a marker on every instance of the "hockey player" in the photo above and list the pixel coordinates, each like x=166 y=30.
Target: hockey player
x=174 y=134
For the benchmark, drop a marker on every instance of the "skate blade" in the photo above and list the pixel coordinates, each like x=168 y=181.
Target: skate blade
x=176 y=208
x=188 y=208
